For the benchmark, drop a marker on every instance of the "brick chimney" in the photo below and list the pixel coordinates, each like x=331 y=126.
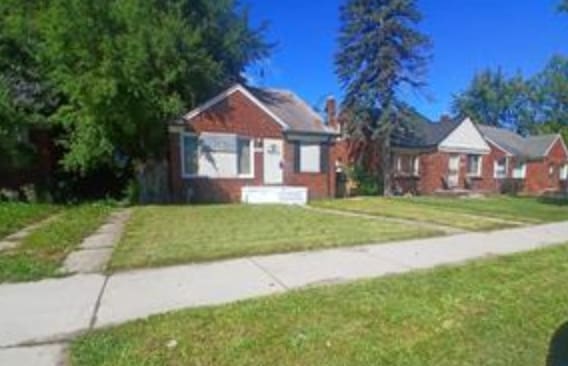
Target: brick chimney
x=331 y=111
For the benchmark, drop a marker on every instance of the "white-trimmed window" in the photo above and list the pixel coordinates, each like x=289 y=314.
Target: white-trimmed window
x=216 y=155
x=245 y=156
x=474 y=165
x=408 y=165
x=520 y=170
x=564 y=172
x=310 y=157
x=189 y=154
x=500 y=168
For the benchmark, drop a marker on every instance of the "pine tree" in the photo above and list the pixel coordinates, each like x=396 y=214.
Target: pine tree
x=381 y=53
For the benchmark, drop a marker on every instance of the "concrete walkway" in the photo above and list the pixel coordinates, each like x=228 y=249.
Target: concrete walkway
x=13 y=240
x=95 y=251
x=46 y=312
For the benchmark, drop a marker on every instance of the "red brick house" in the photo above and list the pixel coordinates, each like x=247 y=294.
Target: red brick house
x=254 y=145
x=538 y=163
x=458 y=156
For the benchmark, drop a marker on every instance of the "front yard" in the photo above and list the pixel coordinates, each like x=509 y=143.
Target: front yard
x=40 y=254
x=469 y=214
x=15 y=215
x=163 y=235
x=496 y=312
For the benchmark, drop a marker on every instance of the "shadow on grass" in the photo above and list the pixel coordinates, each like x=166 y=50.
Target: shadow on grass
x=556 y=201
x=558 y=349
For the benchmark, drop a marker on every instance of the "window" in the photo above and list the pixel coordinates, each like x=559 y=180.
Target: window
x=216 y=155
x=190 y=154
x=407 y=165
x=474 y=165
x=244 y=156
x=551 y=170
x=520 y=170
x=310 y=157
x=564 y=172
x=500 y=168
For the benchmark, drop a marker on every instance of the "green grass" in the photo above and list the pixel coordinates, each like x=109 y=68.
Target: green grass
x=415 y=209
x=495 y=312
x=15 y=216
x=41 y=253
x=162 y=235
x=523 y=209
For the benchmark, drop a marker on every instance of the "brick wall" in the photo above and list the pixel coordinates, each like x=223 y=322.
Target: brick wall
x=538 y=179
x=238 y=115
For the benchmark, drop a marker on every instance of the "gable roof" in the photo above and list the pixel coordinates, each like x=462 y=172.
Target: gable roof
x=532 y=147
x=284 y=107
x=420 y=132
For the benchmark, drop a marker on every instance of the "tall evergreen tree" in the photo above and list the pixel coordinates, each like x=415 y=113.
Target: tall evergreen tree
x=381 y=52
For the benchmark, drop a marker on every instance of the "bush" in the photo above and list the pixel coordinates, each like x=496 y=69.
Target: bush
x=367 y=184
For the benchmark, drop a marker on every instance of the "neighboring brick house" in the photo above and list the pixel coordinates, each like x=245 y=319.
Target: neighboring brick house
x=248 y=139
x=458 y=156
x=538 y=163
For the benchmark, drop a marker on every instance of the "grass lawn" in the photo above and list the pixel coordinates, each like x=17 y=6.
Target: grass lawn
x=15 y=216
x=162 y=235
x=414 y=209
x=524 y=209
x=42 y=252
x=501 y=311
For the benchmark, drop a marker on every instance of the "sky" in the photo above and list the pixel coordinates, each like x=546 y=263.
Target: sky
x=467 y=35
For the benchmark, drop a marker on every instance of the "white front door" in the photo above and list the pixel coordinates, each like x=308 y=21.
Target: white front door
x=273 y=161
x=454 y=171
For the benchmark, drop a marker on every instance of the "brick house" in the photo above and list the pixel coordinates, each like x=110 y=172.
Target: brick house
x=251 y=144
x=538 y=163
x=458 y=156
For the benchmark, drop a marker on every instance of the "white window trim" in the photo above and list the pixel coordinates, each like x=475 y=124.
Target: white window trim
x=189 y=176
x=479 y=166
x=311 y=144
x=495 y=164
x=252 y=153
x=523 y=171
x=182 y=136
x=564 y=172
x=415 y=160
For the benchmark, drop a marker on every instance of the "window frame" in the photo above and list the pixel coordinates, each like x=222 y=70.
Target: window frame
x=319 y=160
x=414 y=162
x=479 y=171
x=522 y=166
x=251 y=157
x=564 y=172
x=505 y=168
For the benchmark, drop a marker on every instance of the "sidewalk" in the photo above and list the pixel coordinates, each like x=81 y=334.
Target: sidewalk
x=56 y=310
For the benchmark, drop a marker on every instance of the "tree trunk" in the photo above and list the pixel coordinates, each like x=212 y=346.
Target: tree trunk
x=386 y=168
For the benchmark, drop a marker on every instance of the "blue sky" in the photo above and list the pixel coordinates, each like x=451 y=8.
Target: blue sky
x=468 y=35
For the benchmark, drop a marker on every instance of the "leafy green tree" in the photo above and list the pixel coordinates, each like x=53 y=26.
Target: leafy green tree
x=494 y=99
x=129 y=66
x=381 y=52
x=552 y=97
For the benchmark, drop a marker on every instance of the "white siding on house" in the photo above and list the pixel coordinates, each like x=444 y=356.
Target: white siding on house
x=466 y=138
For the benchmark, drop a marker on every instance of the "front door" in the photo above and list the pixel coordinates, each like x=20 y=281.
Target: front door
x=454 y=171
x=273 y=161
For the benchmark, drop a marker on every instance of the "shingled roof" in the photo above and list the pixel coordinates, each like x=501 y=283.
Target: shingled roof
x=291 y=109
x=531 y=147
x=420 y=132
x=285 y=107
